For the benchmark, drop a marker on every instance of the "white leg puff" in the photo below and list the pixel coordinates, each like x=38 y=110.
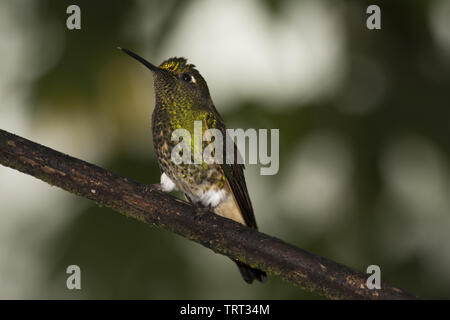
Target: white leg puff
x=167 y=184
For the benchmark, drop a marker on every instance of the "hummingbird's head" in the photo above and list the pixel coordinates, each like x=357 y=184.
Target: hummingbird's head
x=177 y=83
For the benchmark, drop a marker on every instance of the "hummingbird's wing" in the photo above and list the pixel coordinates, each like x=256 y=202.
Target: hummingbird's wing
x=234 y=175
x=235 y=181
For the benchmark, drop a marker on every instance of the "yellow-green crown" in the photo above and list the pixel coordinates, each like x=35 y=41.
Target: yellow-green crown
x=178 y=65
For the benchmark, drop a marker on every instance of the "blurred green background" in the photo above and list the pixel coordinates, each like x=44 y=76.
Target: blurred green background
x=364 y=139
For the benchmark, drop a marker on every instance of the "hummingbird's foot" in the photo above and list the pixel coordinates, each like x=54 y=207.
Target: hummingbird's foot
x=147 y=188
x=200 y=212
x=157 y=186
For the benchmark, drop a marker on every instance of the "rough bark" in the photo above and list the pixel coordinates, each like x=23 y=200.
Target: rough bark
x=147 y=204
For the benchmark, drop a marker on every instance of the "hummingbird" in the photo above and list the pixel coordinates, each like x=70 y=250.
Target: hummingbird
x=181 y=98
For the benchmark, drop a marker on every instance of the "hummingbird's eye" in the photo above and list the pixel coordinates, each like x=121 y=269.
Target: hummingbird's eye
x=187 y=77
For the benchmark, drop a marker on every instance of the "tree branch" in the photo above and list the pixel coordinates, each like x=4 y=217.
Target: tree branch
x=224 y=236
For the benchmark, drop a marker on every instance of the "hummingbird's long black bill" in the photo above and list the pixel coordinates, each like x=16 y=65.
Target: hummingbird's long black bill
x=140 y=59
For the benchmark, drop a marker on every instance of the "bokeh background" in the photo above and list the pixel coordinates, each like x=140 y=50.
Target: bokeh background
x=364 y=139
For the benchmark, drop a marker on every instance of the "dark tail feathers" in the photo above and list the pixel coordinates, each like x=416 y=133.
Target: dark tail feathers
x=249 y=274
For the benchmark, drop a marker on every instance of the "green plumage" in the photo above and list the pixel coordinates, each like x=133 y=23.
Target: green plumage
x=182 y=97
